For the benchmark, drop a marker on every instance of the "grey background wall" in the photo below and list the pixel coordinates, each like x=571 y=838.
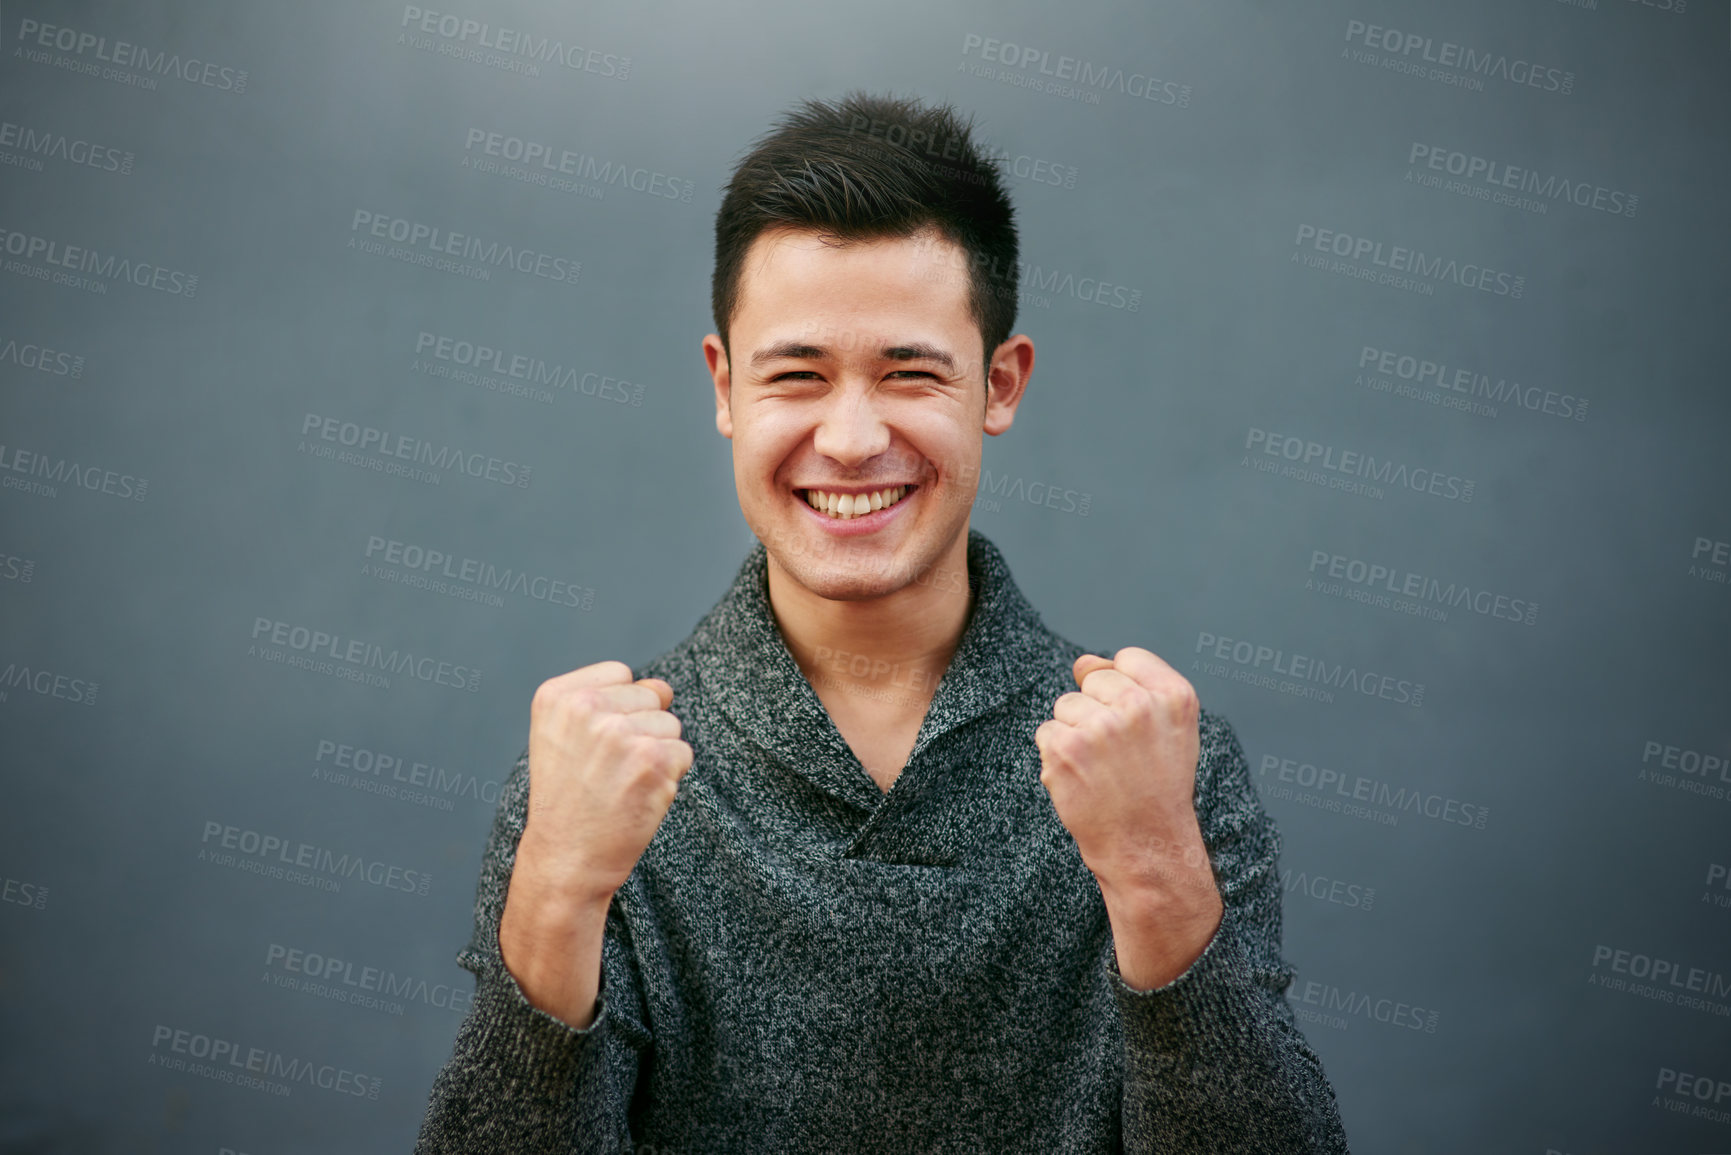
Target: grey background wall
x=351 y=385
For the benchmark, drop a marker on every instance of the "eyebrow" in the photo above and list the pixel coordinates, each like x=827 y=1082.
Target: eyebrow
x=917 y=351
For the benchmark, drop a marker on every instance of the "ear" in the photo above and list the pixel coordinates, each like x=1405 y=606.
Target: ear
x=715 y=356
x=1006 y=379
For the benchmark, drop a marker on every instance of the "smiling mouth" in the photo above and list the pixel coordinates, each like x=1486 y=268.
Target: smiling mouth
x=845 y=506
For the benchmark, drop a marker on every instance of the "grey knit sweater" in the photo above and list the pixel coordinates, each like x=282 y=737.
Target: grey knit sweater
x=801 y=962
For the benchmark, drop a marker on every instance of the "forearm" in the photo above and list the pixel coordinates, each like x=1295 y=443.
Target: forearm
x=1163 y=912
x=1214 y=1059
x=522 y=1078
x=550 y=937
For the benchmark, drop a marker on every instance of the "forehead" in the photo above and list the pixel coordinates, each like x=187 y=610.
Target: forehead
x=802 y=277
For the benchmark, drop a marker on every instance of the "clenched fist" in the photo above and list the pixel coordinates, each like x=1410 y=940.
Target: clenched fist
x=605 y=761
x=1118 y=758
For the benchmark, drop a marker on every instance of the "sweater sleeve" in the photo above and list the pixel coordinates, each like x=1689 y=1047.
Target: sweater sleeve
x=520 y=1080
x=1214 y=1060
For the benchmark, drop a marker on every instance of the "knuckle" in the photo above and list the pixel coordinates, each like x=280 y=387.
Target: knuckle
x=609 y=726
x=642 y=775
x=670 y=756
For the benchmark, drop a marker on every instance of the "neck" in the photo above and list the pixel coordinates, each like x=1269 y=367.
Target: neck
x=892 y=649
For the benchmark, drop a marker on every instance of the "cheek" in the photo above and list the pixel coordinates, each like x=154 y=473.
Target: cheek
x=942 y=437
x=762 y=441
x=957 y=463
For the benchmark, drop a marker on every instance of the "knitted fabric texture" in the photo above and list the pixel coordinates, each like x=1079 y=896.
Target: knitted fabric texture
x=802 y=962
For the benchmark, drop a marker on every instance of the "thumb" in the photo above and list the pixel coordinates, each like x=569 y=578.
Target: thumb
x=1087 y=664
x=661 y=688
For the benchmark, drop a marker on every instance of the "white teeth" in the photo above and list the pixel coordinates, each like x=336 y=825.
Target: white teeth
x=843 y=506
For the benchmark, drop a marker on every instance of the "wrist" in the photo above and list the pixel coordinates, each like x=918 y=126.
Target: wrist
x=551 y=911
x=1156 y=940
x=557 y=881
x=550 y=942
x=1169 y=876
x=1164 y=909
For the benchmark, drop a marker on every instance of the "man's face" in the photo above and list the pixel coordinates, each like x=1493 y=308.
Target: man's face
x=858 y=368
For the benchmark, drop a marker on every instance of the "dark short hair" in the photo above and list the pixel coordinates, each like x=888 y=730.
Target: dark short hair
x=871 y=167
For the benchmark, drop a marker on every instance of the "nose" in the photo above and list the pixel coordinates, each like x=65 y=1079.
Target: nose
x=850 y=431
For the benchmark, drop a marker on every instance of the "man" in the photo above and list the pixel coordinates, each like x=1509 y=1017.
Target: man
x=873 y=861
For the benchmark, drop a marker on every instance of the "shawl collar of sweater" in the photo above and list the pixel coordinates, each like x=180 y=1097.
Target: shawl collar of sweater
x=745 y=665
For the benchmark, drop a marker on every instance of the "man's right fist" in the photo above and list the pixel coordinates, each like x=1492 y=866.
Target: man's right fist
x=605 y=760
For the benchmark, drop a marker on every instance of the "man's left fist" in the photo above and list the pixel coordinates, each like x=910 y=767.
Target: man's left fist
x=1119 y=761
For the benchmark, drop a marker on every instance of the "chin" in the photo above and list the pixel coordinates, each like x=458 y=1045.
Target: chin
x=840 y=580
